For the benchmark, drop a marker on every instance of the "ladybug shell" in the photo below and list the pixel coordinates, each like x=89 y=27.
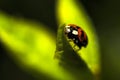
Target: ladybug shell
x=76 y=34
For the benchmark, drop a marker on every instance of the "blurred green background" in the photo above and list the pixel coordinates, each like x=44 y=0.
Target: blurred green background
x=105 y=15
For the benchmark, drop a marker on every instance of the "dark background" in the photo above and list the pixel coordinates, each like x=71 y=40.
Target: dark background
x=105 y=15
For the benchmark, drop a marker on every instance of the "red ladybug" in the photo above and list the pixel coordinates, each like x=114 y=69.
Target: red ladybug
x=76 y=34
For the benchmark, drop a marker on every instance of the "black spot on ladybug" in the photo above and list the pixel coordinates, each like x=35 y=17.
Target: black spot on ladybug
x=76 y=34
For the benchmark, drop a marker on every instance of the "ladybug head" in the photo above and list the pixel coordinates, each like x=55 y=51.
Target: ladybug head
x=67 y=29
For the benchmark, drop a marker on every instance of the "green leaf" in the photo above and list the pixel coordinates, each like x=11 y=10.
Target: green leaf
x=32 y=45
x=72 y=12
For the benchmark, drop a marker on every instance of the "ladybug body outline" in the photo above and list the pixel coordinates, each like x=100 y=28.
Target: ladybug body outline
x=76 y=34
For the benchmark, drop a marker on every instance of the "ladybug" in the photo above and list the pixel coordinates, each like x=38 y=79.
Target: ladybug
x=76 y=34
